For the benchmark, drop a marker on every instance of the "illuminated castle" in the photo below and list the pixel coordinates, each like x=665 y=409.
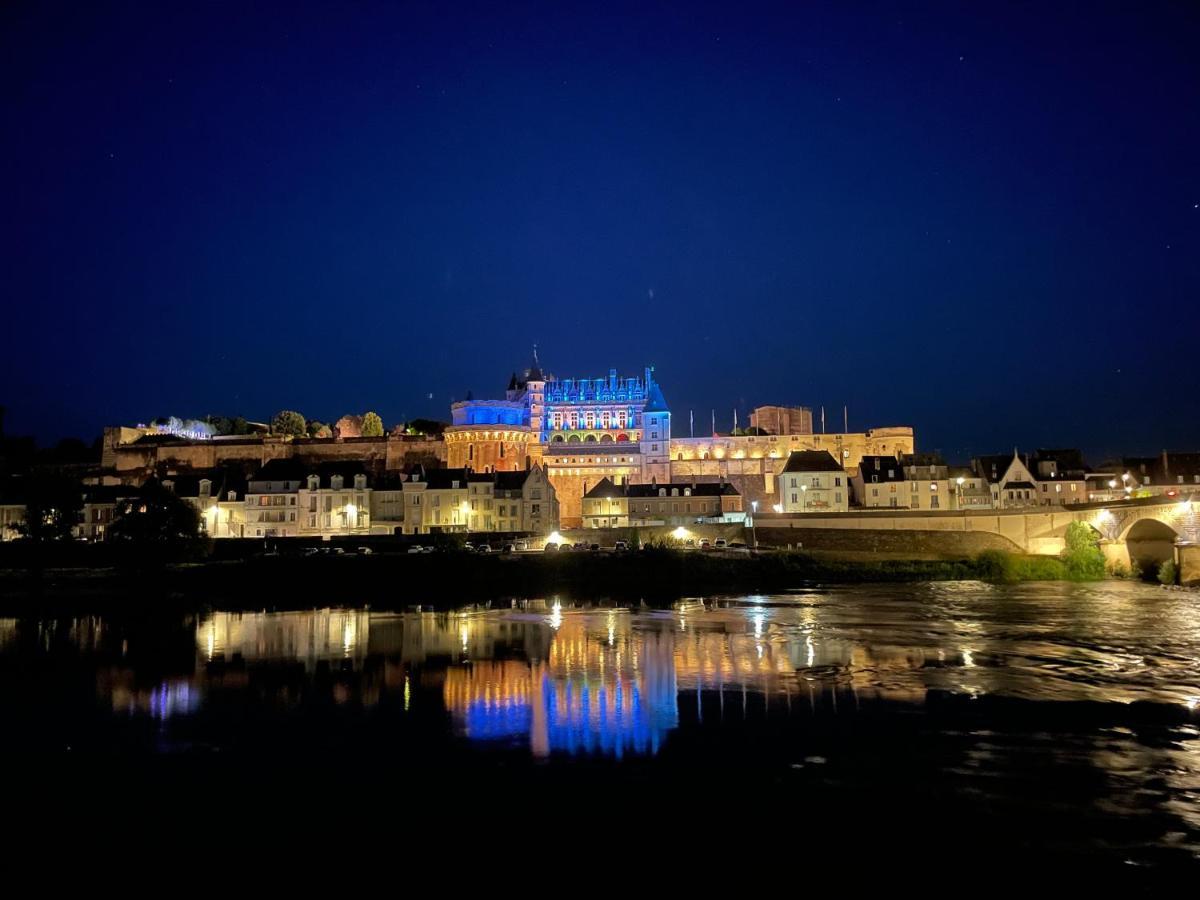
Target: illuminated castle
x=580 y=429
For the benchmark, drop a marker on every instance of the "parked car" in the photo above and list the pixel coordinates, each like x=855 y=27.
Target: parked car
x=508 y=548
x=311 y=551
x=365 y=551
x=429 y=549
x=469 y=547
x=521 y=545
x=484 y=548
x=551 y=548
x=720 y=544
x=620 y=546
x=593 y=547
x=417 y=548
x=706 y=544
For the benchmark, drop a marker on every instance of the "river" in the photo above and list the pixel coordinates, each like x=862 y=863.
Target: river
x=1066 y=712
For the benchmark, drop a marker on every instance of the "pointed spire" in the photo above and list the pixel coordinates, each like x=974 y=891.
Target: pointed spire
x=535 y=371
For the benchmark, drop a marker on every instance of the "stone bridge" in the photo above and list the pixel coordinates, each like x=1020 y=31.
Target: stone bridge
x=1157 y=521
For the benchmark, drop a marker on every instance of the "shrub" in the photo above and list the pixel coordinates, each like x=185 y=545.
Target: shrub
x=996 y=566
x=1083 y=558
x=1166 y=572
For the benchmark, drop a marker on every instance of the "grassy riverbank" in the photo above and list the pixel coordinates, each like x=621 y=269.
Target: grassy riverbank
x=444 y=580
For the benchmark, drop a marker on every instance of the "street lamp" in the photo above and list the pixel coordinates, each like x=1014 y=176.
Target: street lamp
x=753 y=534
x=351 y=510
x=804 y=498
x=959 y=481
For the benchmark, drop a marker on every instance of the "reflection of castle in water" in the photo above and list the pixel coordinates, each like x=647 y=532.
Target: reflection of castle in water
x=609 y=691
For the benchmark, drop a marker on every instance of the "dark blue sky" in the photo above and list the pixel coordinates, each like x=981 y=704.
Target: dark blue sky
x=980 y=219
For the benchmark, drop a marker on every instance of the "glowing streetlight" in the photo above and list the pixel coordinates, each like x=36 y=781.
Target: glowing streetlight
x=351 y=510
x=753 y=533
x=804 y=498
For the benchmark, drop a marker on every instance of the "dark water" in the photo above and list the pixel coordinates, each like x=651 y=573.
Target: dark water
x=1058 y=720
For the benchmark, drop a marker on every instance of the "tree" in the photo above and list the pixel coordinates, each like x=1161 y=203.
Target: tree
x=349 y=426
x=288 y=422
x=155 y=516
x=53 y=504
x=314 y=428
x=1083 y=557
x=372 y=425
x=426 y=426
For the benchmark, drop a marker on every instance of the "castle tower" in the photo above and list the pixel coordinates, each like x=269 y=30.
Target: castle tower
x=656 y=433
x=535 y=387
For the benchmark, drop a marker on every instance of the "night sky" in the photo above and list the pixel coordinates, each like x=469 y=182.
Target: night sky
x=981 y=220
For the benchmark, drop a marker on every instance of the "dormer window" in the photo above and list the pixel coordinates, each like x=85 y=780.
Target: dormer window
x=687 y=492
x=336 y=482
x=662 y=492
x=312 y=482
x=360 y=482
x=674 y=492
x=206 y=487
x=231 y=496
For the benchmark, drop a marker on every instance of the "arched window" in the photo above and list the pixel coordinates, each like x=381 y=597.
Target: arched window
x=604 y=420
x=591 y=439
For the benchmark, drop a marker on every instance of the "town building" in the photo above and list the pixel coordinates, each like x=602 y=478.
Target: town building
x=217 y=495
x=463 y=500
x=335 y=499
x=879 y=482
x=272 y=496
x=611 y=505
x=812 y=481
x=1011 y=483
x=1169 y=474
x=1062 y=476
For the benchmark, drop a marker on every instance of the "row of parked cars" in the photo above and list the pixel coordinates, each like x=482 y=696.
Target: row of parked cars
x=564 y=547
x=511 y=547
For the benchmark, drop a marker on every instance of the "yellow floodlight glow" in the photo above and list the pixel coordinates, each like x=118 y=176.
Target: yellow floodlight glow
x=554 y=538
x=680 y=533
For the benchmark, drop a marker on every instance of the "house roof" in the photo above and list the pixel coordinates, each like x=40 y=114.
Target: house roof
x=880 y=469
x=992 y=467
x=511 y=481
x=605 y=489
x=441 y=479
x=1068 y=458
x=811 y=461
x=281 y=470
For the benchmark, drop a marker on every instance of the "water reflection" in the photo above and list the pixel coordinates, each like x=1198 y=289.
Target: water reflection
x=972 y=691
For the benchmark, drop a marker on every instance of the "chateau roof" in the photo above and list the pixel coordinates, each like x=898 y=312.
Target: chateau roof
x=812 y=461
x=655 y=401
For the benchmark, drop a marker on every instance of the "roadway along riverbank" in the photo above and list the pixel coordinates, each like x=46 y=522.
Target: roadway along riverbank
x=452 y=579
